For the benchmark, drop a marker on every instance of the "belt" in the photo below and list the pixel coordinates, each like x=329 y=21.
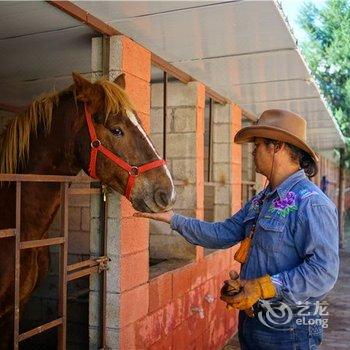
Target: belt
x=279 y=306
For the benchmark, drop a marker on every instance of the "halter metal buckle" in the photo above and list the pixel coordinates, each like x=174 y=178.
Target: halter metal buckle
x=95 y=143
x=134 y=171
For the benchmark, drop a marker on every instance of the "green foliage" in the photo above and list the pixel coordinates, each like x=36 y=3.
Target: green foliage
x=327 y=51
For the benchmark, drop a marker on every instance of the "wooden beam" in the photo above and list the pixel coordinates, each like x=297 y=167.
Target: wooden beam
x=85 y=17
x=169 y=68
x=215 y=96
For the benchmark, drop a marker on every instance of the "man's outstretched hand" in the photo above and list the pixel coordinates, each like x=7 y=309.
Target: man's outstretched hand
x=164 y=216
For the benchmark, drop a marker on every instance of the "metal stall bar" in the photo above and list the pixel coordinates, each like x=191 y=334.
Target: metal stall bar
x=62 y=304
x=17 y=265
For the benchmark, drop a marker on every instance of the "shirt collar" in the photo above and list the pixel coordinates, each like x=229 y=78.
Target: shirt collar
x=283 y=188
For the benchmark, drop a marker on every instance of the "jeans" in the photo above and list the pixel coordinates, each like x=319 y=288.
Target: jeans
x=254 y=335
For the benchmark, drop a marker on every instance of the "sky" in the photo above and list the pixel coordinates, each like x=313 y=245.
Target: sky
x=291 y=8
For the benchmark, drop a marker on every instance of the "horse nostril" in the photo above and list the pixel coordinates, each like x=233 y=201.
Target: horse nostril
x=162 y=198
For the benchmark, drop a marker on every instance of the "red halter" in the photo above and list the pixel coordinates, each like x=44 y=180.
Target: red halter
x=96 y=146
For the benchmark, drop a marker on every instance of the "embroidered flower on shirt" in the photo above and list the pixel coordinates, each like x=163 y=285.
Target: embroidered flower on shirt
x=285 y=205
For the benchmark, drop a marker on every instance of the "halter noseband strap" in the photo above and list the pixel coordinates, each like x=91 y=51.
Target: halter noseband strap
x=97 y=146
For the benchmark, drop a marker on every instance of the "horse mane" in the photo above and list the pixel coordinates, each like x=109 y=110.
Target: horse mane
x=15 y=140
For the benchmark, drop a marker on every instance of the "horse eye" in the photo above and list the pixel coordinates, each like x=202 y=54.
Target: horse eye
x=117 y=132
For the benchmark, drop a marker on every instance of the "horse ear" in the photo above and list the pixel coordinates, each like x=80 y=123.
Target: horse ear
x=80 y=82
x=120 y=80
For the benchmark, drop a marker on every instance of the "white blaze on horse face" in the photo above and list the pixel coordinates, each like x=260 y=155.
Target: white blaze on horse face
x=134 y=120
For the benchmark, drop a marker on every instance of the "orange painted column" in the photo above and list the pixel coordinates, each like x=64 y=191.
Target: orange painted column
x=134 y=232
x=200 y=110
x=236 y=160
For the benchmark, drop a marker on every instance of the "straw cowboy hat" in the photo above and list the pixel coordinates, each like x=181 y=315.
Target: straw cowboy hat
x=280 y=125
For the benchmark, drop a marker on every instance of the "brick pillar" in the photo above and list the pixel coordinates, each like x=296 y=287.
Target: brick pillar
x=128 y=237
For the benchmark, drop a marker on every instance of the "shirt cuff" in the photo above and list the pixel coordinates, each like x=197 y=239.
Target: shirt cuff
x=177 y=221
x=278 y=283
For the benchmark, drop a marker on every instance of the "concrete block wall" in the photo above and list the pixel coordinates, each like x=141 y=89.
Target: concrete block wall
x=184 y=136
x=184 y=309
x=128 y=237
x=222 y=166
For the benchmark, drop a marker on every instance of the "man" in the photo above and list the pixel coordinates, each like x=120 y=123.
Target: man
x=289 y=234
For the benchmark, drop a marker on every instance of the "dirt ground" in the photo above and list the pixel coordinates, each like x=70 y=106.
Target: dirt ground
x=337 y=335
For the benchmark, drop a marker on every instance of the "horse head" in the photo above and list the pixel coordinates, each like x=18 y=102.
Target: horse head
x=112 y=145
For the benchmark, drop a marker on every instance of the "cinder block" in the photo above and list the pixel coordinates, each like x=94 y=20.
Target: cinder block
x=184 y=170
x=115 y=52
x=221 y=152
x=94 y=309
x=185 y=119
x=113 y=310
x=128 y=337
x=221 y=113
x=157 y=140
x=222 y=133
x=181 y=281
x=159 y=228
x=85 y=219
x=138 y=91
x=113 y=275
x=95 y=236
x=79 y=242
x=94 y=337
x=131 y=311
x=160 y=291
x=134 y=235
x=222 y=194
x=136 y=59
x=186 y=197
x=181 y=144
x=113 y=338
x=96 y=54
x=95 y=207
x=222 y=173
x=222 y=212
x=134 y=270
x=113 y=199
x=179 y=94
x=157 y=120
x=172 y=246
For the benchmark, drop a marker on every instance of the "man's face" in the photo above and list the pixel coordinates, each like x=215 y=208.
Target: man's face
x=263 y=156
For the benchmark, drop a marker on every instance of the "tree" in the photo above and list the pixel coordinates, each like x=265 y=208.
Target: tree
x=327 y=51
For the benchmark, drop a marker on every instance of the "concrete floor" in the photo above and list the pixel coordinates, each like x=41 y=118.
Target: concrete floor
x=337 y=335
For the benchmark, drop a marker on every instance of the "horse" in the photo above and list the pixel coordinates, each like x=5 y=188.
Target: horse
x=88 y=126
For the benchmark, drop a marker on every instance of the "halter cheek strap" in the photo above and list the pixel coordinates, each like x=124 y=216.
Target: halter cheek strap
x=96 y=146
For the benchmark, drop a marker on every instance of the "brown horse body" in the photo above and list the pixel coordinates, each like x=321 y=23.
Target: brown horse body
x=65 y=150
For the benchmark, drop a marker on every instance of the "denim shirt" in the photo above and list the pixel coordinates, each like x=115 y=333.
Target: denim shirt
x=295 y=242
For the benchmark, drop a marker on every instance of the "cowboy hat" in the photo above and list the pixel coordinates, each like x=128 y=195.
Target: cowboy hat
x=280 y=125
